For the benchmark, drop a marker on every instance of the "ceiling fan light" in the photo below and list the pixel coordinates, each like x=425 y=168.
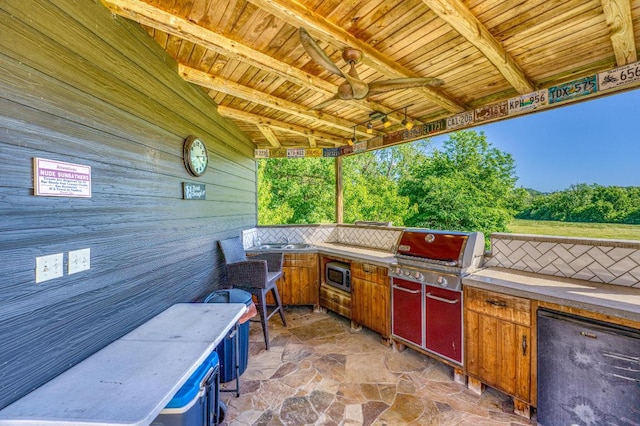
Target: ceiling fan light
x=408 y=124
x=369 y=128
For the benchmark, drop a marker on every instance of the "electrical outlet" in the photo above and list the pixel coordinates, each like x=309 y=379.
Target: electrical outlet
x=79 y=260
x=49 y=267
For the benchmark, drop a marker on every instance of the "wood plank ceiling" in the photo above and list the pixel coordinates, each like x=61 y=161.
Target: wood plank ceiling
x=248 y=56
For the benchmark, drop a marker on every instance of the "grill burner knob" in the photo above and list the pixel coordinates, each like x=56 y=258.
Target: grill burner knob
x=419 y=276
x=407 y=273
x=442 y=281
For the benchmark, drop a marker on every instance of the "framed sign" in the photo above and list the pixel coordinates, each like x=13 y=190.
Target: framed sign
x=58 y=179
x=194 y=191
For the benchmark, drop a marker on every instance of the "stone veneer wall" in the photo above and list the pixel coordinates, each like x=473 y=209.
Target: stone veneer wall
x=381 y=238
x=604 y=261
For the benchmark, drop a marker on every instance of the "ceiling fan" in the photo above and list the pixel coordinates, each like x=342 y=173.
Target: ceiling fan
x=354 y=87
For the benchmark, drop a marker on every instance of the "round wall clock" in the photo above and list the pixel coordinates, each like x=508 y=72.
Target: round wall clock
x=195 y=156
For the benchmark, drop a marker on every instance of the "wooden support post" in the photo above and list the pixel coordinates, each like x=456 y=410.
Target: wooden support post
x=459 y=377
x=398 y=346
x=521 y=408
x=339 y=196
x=475 y=386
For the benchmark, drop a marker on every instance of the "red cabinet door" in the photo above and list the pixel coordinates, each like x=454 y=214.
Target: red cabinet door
x=444 y=322
x=407 y=313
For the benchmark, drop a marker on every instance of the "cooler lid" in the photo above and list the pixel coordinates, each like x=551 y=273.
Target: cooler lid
x=447 y=246
x=192 y=386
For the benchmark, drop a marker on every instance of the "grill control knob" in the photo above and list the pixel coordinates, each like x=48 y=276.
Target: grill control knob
x=407 y=273
x=442 y=281
x=419 y=276
x=398 y=271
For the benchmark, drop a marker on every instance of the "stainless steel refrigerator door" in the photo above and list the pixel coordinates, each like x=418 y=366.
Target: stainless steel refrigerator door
x=588 y=372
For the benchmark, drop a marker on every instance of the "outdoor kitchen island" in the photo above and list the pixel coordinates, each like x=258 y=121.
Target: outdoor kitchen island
x=131 y=380
x=501 y=302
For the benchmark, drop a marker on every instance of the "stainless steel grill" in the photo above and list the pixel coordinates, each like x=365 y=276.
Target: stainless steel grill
x=439 y=258
x=426 y=298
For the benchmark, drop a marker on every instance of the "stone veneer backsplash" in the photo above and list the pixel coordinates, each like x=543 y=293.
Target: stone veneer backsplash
x=381 y=238
x=604 y=261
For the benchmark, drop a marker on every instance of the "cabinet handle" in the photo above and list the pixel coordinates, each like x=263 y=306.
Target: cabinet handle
x=524 y=345
x=497 y=303
x=406 y=290
x=441 y=299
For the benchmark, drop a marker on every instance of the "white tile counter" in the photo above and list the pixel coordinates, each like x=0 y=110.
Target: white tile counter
x=131 y=380
x=615 y=300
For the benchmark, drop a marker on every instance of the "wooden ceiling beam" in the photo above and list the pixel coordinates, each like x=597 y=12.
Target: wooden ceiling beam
x=234 y=89
x=299 y=15
x=151 y=16
x=458 y=16
x=312 y=141
x=154 y=17
x=247 y=117
x=269 y=135
x=618 y=16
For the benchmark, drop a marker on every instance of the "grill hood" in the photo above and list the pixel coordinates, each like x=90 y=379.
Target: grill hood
x=450 y=248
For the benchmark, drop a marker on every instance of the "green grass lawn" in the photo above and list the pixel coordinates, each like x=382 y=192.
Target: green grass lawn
x=573 y=229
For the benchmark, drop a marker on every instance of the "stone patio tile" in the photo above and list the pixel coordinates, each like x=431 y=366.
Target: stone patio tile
x=321 y=372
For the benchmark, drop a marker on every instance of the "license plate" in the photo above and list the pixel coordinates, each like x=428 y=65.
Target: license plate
x=620 y=76
x=457 y=121
x=489 y=112
x=573 y=89
x=528 y=102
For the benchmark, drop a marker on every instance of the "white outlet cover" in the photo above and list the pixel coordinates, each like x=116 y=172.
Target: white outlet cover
x=49 y=267
x=79 y=260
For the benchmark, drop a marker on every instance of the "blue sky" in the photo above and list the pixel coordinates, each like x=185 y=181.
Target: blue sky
x=596 y=141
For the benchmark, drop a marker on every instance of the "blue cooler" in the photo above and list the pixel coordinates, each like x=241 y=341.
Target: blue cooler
x=227 y=348
x=196 y=403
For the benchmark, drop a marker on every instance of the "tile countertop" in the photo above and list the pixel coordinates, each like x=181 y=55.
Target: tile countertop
x=131 y=380
x=617 y=301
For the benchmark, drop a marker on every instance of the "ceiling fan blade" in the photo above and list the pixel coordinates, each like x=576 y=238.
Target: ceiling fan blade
x=316 y=53
x=403 y=83
x=359 y=89
x=325 y=103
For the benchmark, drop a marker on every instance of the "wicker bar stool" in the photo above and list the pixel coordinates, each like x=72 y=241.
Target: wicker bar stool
x=257 y=275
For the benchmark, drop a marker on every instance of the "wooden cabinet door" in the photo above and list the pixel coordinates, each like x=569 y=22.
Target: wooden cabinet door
x=370 y=297
x=498 y=351
x=299 y=282
x=498 y=354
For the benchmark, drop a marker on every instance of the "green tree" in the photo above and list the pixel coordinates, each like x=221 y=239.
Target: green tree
x=296 y=191
x=467 y=185
x=586 y=203
x=370 y=182
x=268 y=213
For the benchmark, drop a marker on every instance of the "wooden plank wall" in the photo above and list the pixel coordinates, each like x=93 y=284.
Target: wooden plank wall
x=82 y=86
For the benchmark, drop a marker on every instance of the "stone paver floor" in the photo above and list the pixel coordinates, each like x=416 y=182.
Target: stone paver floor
x=318 y=371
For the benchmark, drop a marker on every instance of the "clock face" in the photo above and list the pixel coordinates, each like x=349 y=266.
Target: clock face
x=196 y=158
